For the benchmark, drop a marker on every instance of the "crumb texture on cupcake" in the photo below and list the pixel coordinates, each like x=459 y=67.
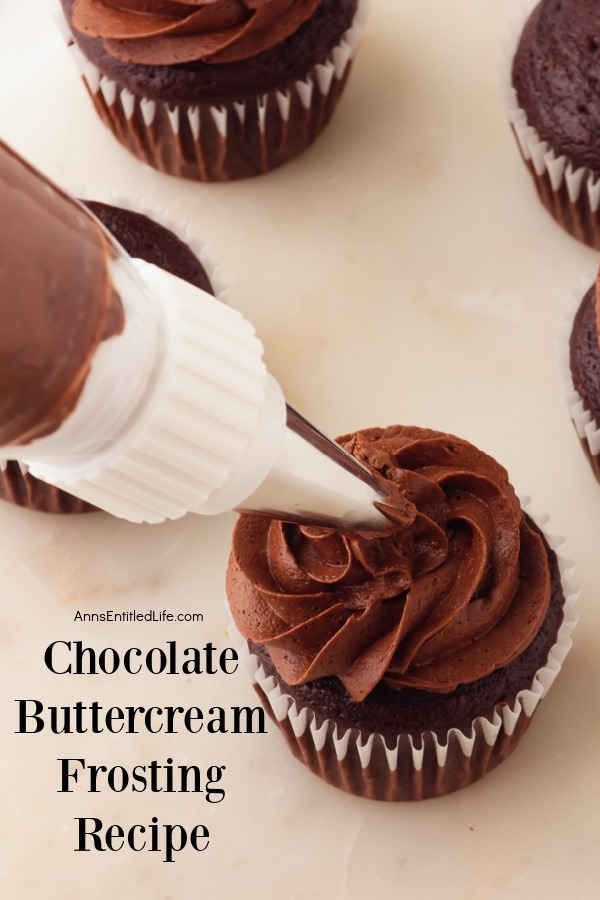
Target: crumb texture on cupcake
x=556 y=73
x=585 y=354
x=554 y=110
x=445 y=601
x=143 y=238
x=582 y=371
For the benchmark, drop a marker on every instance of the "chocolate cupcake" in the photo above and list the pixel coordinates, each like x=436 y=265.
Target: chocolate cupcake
x=581 y=369
x=405 y=666
x=215 y=91
x=554 y=109
x=144 y=238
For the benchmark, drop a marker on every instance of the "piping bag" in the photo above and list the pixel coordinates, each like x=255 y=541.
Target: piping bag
x=131 y=389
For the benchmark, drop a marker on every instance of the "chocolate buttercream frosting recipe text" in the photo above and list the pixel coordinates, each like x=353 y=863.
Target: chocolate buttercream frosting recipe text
x=165 y=775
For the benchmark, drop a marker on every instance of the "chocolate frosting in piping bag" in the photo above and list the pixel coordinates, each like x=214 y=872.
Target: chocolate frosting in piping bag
x=55 y=269
x=179 y=414
x=172 y=32
x=457 y=590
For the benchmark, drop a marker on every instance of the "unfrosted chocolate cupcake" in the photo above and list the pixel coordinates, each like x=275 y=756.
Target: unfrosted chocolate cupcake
x=554 y=107
x=407 y=666
x=215 y=91
x=143 y=238
x=583 y=376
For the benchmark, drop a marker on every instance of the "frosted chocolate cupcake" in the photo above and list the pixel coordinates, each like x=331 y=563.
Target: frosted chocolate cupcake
x=582 y=372
x=215 y=91
x=38 y=250
x=554 y=107
x=406 y=666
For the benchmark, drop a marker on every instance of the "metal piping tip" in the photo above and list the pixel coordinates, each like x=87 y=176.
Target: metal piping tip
x=315 y=482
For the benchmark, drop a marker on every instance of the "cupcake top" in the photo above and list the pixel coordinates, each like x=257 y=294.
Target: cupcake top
x=455 y=592
x=556 y=73
x=168 y=32
x=584 y=351
x=66 y=300
x=143 y=238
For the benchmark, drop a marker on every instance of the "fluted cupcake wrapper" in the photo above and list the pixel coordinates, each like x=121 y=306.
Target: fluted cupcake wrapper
x=228 y=141
x=570 y=193
x=586 y=426
x=365 y=765
x=17 y=485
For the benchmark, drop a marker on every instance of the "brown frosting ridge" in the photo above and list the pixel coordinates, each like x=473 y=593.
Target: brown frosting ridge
x=171 y=32
x=59 y=301
x=445 y=600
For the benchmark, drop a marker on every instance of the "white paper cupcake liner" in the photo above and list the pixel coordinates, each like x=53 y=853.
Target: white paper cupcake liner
x=205 y=142
x=588 y=429
x=572 y=194
x=415 y=769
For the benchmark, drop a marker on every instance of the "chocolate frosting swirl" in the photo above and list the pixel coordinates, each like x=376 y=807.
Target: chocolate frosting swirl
x=171 y=32
x=445 y=600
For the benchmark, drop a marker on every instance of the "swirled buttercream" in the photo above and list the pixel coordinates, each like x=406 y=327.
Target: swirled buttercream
x=171 y=32
x=457 y=590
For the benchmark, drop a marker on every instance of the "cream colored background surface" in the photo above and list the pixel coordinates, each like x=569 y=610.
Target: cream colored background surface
x=401 y=271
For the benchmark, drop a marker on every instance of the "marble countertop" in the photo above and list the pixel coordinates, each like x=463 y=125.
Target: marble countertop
x=400 y=271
